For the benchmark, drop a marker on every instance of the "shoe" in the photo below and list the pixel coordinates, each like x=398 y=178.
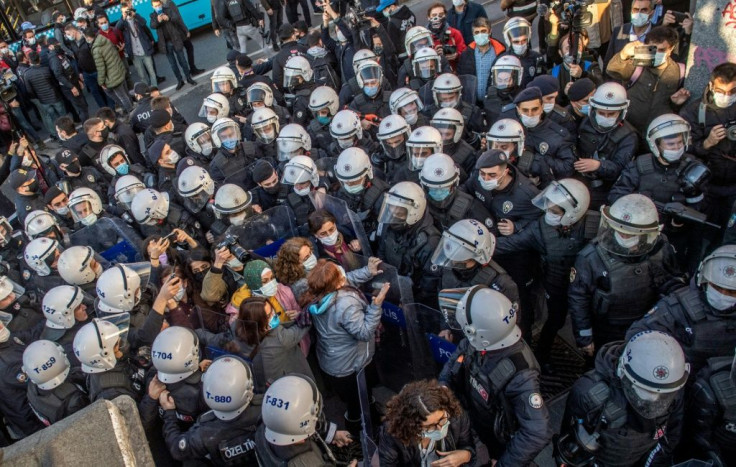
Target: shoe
x=276 y=48
x=160 y=79
x=180 y=85
x=191 y=81
x=197 y=71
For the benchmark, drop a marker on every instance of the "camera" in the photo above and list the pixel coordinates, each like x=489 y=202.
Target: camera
x=573 y=14
x=730 y=127
x=8 y=92
x=231 y=242
x=358 y=18
x=644 y=55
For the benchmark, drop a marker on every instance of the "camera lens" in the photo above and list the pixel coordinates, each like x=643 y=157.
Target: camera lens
x=239 y=252
x=731 y=132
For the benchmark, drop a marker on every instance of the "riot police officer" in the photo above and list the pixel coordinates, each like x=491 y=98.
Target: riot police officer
x=196 y=189
x=224 y=82
x=347 y=131
x=142 y=112
x=225 y=433
x=302 y=174
x=503 y=86
x=447 y=93
x=298 y=84
x=418 y=38
x=617 y=277
x=451 y=126
x=115 y=162
x=27 y=196
x=425 y=66
x=265 y=126
x=422 y=143
x=43 y=224
x=232 y=204
x=18 y=307
x=517 y=34
x=66 y=309
x=55 y=391
x=79 y=265
x=629 y=409
x=156 y=215
x=293 y=140
x=126 y=188
x=405 y=102
x=409 y=237
x=700 y=315
x=558 y=236
x=440 y=178
x=234 y=156
x=324 y=105
x=41 y=274
x=351 y=87
x=76 y=176
x=495 y=375
x=606 y=142
x=393 y=132
x=260 y=94
x=199 y=144
x=373 y=99
x=214 y=107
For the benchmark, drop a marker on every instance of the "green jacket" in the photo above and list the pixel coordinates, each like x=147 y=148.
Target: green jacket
x=110 y=67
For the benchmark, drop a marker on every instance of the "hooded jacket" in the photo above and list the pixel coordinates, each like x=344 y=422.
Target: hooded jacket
x=110 y=68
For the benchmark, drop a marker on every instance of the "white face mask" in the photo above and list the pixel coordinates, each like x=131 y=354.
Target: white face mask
x=330 y=239
x=411 y=117
x=552 y=219
x=458 y=2
x=530 y=122
x=548 y=107
x=345 y=143
x=718 y=300
x=180 y=294
x=605 y=122
x=270 y=288
x=672 y=155
x=723 y=101
x=234 y=263
x=211 y=118
x=417 y=162
x=304 y=191
x=639 y=19
x=489 y=185
x=238 y=219
x=63 y=211
x=627 y=243
x=354 y=189
x=659 y=58
x=206 y=148
x=26 y=162
x=173 y=157
x=89 y=220
x=310 y=262
x=340 y=36
x=519 y=49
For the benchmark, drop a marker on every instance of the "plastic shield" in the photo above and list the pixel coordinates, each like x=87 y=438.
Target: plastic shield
x=326 y=169
x=470 y=88
x=243 y=178
x=448 y=300
x=264 y=233
x=370 y=450
x=348 y=222
x=431 y=322
x=112 y=238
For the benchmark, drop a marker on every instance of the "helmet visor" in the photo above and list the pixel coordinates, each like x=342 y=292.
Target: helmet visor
x=256 y=95
x=625 y=243
x=555 y=195
x=448 y=130
x=419 y=43
x=266 y=133
x=448 y=300
x=296 y=174
x=452 y=252
x=519 y=31
x=287 y=149
x=125 y=196
x=395 y=210
x=197 y=201
x=223 y=87
x=426 y=69
x=504 y=78
x=370 y=74
x=8 y=286
x=6 y=231
x=292 y=78
x=648 y=404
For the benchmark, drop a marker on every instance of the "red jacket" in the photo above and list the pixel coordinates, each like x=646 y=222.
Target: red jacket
x=454 y=37
x=115 y=36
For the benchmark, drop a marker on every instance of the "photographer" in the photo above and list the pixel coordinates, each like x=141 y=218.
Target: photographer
x=139 y=42
x=446 y=40
x=400 y=20
x=574 y=66
x=635 y=30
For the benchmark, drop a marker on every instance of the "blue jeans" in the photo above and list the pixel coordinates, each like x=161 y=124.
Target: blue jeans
x=180 y=56
x=49 y=114
x=102 y=99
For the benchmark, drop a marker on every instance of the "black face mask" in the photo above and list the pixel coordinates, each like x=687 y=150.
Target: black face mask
x=105 y=133
x=272 y=190
x=74 y=169
x=199 y=276
x=33 y=187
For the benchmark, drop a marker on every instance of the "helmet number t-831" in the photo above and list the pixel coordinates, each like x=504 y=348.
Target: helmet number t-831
x=277 y=402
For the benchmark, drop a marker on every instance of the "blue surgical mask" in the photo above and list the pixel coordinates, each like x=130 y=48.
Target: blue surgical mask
x=585 y=109
x=354 y=189
x=370 y=91
x=273 y=323
x=324 y=119
x=159 y=10
x=123 y=168
x=105 y=26
x=439 y=194
x=481 y=39
x=386 y=13
x=229 y=143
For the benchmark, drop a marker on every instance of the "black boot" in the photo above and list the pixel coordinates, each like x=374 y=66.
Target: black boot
x=191 y=81
x=180 y=85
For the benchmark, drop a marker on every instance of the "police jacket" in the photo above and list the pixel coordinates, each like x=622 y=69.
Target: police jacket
x=392 y=452
x=458 y=206
x=498 y=103
x=225 y=164
x=13 y=398
x=25 y=204
x=614 y=149
x=288 y=50
x=125 y=379
x=52 y=405
x=500 y=391
x=139 y=117
x=702 y=331
x=377 y=105
x=187 y=396
x=615 y=290
x=89 y=178
x=554 y=151
x=491 y=275
x=649 y=176
x=305 y=454
x=320 y=134
x=221 y=442
x=626 y=438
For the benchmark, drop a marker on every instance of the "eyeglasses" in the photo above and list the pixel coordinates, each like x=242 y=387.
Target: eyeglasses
x=440 y=423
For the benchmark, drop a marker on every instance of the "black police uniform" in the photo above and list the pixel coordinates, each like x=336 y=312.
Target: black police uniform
x=553 y=152
x=268 y=198
x=408 y=79
x=702 y=331
x=614 y=149
x=177 y=218
x=297 y=103
x=350 y=89
x=533 y=64
x=458 y=206
x=140 y=172
x=498 y=102
x=472 y=116
x=24 y=204
x=301 y=454
x=12 y=252
x=609 y=292
x=125 y=379
x=13 y=398
x=491 y=275
x=404 y=173
x=565 y=119
x=389 y=164
x=367 y=144
x=51 y=405
x=464 y=156
x=226 y=163
x=187 y=396
x=597 y=401
x=89 y=177
x=140 y=116
x=366 y=204
x=320 y=134
x=500 y=391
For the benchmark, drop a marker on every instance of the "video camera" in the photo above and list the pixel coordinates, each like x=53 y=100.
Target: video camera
x=8 y=91
x=231 y=242
x=574 y=14
x=358 y=19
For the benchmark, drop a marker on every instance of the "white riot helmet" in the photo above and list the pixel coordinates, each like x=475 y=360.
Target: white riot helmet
x=196 y=187
x=719 y=268
x=8 y=231
x=515 y=28
x=406 y=103
x=353 y=165
x=346 y=129
x=46 y=364
x=232 y=202
x=107 y=153
x=506 y=130
x=439 y=171
x=213 y=107
x=297 y=67
x=630 y=226
x=40 y=224
x=59 y=304
x=222 y=75
x=80 y=197
x=300 y=169
x=175 y=354
x=324 y=97
x=126 y=188
x=426 y=63
x=40 y=254
x=77 y=265
x=465 y=240
x=665 y=127
x=422 y=143
x=652 y=370
x=259 y=92
x=507 y=72
x=369 y=70
x=449 y=121
x=94 y=345
x=198 y=138
x=486 y=316
x=360 y=56
x=119 y=289
x=305 y=407
x=403 y=205
x=7 y=287
x=293 y=140
x=447 y=83
x=570 y=195
x=265 y=124
x=227 y=386
x=390 y=128
x=416 y=38
x=608 y=96
x=150 y=206
x=221 y=125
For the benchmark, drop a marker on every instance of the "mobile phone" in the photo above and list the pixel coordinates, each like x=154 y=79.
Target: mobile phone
x=679 y=16
x=171 y=235
x=644 y=55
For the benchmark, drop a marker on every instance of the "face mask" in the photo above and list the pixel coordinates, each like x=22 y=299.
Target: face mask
x=519 y=49
x=234 y=264
x=310 y=262
x=417 y=162
x=62 y=211
x=4 y=334
x=659 y=58
x=206 y=148
x=530 y=122
x=488 y=184
x=273 y=323
x=605 y=122
x=341 y=36
x=180 y=294
x=304 y=191
x=567 y=60
x=672 y=155
x=370 y=91
x=32 y=41
x=122 y=169
x=639 y=19
x=345 y=143
x=378 y=50
x=173 y=157
x=238 y=219
x=386 y=13
x=163 y=259
x=105 y=133
x=272 y=190
x=585 y=109
x=269 y=288
x=70 y=38
x=437 y=435
x=481 y=39
x=411 y=118
x=552 y=219
x=330 y=239
x=211 y=118
x=458 y=2
x=354 y=189
x=33 y=187
x=159 y=10
x=448 y=104
x=229 y=144
x=722 y=100
x=4 y=51
x=627 y=243
x=718 y=300
x=26 y=162
x=548 y=107
x=317 y=52
x=89 y=220
x=324 y=119
x=105 y=26
x=439 y=194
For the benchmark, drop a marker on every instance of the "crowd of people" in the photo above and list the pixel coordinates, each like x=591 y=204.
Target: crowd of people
x=513 y=187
